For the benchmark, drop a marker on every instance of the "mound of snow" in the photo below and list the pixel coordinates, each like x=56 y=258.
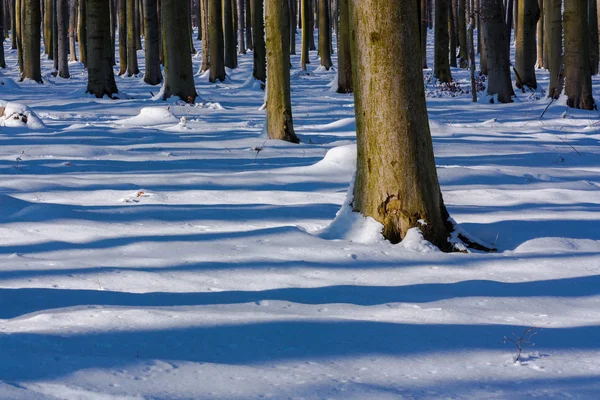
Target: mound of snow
x=8 y=84
x=17 y=115
x=341 y=157
x=414 y=241
x=150 y=116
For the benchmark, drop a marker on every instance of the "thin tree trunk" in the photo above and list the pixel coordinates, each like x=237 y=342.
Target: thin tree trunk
x=241 y=27
x=305 y=9
x=62 y=13
x=311 y=25
x=324 y=34
x=152 y=75
x=472 y=50
x=31 y=37
x=48 y=28
x=441 y=63
x=217 y=46
x=82 y=32
x=396 y=179
x=423 y=32
x=2 y=29
x=462 y=33
x=578 y=76
x=248 y=16
x=101 y=78
x=122 y=36
x=132 y=62
x=205 y=37
x=113 y=30
x=230 y=50
x=452 y=33
x=345 y=83
x=72 y=30
x=529 y=14
x=554 y=33
x=540 y=35
x=260 y=52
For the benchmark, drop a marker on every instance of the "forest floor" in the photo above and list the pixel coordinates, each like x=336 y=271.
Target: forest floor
x=146 y=258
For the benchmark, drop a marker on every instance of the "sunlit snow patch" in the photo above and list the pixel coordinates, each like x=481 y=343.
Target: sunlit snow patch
x=17 y=115
x=150 y=116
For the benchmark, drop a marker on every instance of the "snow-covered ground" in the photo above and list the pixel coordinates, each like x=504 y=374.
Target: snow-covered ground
x=146 y=257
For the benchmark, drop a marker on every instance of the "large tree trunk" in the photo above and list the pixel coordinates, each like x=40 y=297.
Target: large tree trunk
x=229 y=30
x=152 y=75
x=324 y=34
x=31 y=40
x=260 y=52
x=441 y=61
x=101 y=78
x=396 y=180
x=179 y=75
x=554 y=32
x=498 y=62
x=241 y=24
x=305 y=21
x=578 y=74
x=345 y=83
x=122 y=36
x=62 y=14
x=529 y=14
x=593 y=28
x=72 y=30
x=132 y=62
x=217 y=46
x=280 y=124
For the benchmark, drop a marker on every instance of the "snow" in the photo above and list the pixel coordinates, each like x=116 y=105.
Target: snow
x=142 y=257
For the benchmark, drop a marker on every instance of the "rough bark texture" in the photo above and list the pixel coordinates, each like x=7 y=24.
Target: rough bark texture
x=324 y=34
x=179 y=75
x=441 y=60
x=423 y=32
x=217 y=45
x=593 y=29
x=132 y=64
x=72 y=30
x=463 y=55
x=248 y=16
x=122 y=36
x=306 y=28
x=396 y=179
x=31 y=37
x=554 y=32
x=229 y=34
x=205 y=37
x=152 y=75
x=345 y=84
x=452 y=33
x=48 y=5
x=578 y=76
x=525 y=60
x=101 y=78
x=260 y=52
x=241 y=25
x=62 y=14
x=498 y=63
x=280 y=124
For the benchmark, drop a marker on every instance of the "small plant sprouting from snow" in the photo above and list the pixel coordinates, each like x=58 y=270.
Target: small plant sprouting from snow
x=522 y=341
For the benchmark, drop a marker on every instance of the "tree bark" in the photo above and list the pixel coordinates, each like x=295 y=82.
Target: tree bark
x=529 y=14
x=345 y=83
x=324 y=34
x=101 y=78
x=498 y=62
x=132 y=62
x=540 y=35
x=462 y=34
x=280 y=123
x=441 y=62
x=72 y=30
x=217 y=45
x=452 y=33
x=423 y=32
x=229 y=30
x=554 y=33
x=82 y=32
x=152 y=75
x=205 y=37
x=2 y=30
x=241 y=25
x=48 y=5
x=260 y=52
x=248 y=16
x=306 y=28
x=593 y=29
x=396 y=179
x=122 y=36
x=179 y=75
x=31 y=37
x=62 y=13
x=578 y=74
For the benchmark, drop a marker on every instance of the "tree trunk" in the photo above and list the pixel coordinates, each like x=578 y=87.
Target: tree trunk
x=72 y=30
x=280 y=124
x=217 y=46
x=229 y=30
x=199 y=19
x=423 y=32
x=578 y=74
x=498 y=62
x=13 y=24
x=179 y=75
x=529 y=14
x=462 y=34
x=292 y=26
x=472 y=50
x=48 y=5
x=136 y=25
x=113 y=30
x=452 y=33
x=324 y=34
x=2 y=30
x=190 y=29
x=396 y=179
x=54 y=37
x=311 y=25
x=248 y=16
x=554 y=33
x=18 y=30
x=205 y=37
x=241 y=25
x=62 y=13
x=593 y=28
x=82 y=32
x=31 y=37
x=540 y=36
x=260 y=52
x=344 y=50
x=152 y=75
x=306 y=28
x=101 y=78
x=122 y=36
x=441 y=62
x=132 y=62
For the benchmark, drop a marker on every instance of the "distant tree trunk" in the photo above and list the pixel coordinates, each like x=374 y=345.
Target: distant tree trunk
x=324 y=34
x=396 y=180
x=13 y=24
x=423 y=31
x=54 y=37
x=472 y=50
x=205 y=37
x=311 y=24
x=529 y=14
x=62 y=13
x=280 y=123
x=31 y=40
x=248 y=16
x=198 y=10
x=578 y=74
x=152 y=75
x=554 y=33
x=18 y=32
x=260 y=51
x=136 y=25
x=101 y=78
x=241 y=26
x=229 y=30
x=462 y=33
x=48 y=5
x=132 y=62
x=82 y=32
x=179 y=75
x=593 y=28
x=217 y=46
x=430 y=14
x=122 y=36
x=498 y=62
x=452 y=33
x=292 y=26
x=345 y=83
x=441 y=62
x=113 y=30
x=305 y=9
x=191 y=29
x=72 y=30
x=540 y=35
x=2 y=30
